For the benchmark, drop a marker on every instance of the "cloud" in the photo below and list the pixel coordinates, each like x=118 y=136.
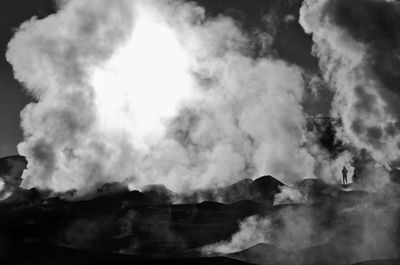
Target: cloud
x=290 y=228
x=289 y=195
x=145 y=92
x=252 y=230
x=356 y=44
x=52 y=57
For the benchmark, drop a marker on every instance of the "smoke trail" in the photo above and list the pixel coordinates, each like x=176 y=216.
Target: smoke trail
x=152 y=92
x=289 y=228
x=356 y=43
x=52 y=58
x=252 y=230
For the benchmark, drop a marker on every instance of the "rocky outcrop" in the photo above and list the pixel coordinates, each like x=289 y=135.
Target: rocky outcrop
x=11 y=169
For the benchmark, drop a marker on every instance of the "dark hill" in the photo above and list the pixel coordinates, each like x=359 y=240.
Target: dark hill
x=334 y=226
x=380 y=262
x=262 y=254
x=266 y=254
x=7 y=163
x=265 y=188
x=261 y=190
x=42 y=254
x=11 y=169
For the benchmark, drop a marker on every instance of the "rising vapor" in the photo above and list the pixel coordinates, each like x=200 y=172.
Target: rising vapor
x=146 y=92
x=357 y=58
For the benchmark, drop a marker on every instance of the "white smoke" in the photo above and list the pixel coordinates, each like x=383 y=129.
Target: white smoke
x=289 y=195
x=154 y=92
x=358 y=100
x=252 y=230
x=53 y=58
x=4 y=192
x=289 y=228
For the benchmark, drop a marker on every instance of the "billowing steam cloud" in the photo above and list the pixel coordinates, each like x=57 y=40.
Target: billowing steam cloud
x=53 y=58
x=155 y=92
x=357 y=43
x=252 y=230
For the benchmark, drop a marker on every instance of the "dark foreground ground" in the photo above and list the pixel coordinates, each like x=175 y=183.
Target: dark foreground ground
x=323 y=224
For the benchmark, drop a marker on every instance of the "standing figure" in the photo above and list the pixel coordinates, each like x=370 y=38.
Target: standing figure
x=344 y=176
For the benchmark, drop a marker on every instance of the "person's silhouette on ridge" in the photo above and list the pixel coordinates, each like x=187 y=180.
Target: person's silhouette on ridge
x=344 y=175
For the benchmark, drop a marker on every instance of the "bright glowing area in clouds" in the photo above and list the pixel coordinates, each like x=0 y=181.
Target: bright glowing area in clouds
x=145 y=81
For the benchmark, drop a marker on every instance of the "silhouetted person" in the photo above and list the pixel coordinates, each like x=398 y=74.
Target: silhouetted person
x=344 y=175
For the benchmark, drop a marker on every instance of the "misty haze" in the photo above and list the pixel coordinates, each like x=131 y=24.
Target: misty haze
x=219 y=132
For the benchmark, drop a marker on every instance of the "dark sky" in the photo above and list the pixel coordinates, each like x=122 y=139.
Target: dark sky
x=12 y=96
x=291 y=44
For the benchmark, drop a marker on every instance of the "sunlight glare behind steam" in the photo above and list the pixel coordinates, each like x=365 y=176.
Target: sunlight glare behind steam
x=145 y=81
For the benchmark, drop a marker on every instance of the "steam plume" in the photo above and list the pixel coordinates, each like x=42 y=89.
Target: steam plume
x=356 y=52
x=252 y=230
x=185 y=104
